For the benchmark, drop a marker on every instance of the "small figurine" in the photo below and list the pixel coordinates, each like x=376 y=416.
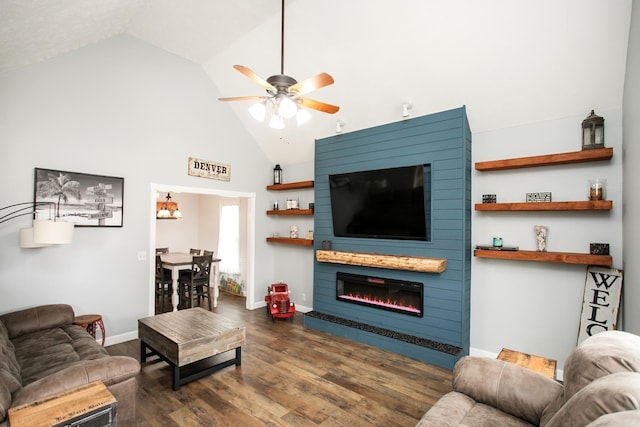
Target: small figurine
x=541 y=237
x=278 y=303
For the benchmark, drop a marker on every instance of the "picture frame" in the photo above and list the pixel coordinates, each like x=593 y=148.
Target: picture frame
x=84 y=199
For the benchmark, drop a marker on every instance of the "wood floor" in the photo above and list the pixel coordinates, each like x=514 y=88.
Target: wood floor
x=290 y=376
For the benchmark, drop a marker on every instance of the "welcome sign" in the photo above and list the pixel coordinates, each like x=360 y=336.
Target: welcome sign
x=601 y=302
x=208 y=169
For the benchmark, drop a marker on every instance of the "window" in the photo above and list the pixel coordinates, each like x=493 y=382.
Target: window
x=229 y=241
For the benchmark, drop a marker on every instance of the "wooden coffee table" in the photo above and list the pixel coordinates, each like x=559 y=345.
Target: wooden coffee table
x=184 y=338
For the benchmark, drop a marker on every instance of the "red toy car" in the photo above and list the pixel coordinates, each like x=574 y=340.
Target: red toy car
x=278 y=303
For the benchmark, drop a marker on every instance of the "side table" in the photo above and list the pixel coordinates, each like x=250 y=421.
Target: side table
x=539 y=364
x=89 y=322
x=88 y=405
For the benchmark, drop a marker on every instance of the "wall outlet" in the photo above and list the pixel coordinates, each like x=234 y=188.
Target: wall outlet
x=304 y=297
x=142 y=255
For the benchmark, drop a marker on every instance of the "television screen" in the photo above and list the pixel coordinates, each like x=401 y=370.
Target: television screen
x=381 y=204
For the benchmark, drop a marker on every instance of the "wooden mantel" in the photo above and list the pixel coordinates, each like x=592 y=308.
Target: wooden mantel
x=395 y=262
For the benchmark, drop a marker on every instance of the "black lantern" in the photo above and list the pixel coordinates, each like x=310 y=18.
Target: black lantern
x=592 y=132
x=277 y=175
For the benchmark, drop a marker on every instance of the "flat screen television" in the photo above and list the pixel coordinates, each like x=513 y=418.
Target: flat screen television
x=382 y=203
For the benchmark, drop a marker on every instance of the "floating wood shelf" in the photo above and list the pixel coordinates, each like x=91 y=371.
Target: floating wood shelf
x=290 y=241
x=547 y=160
x=290 y=186
x=591 y=205
x=291 y=212
x=561 y=257
x=395 y=262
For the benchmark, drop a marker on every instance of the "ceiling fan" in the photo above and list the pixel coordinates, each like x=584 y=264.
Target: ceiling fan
x=284 y=93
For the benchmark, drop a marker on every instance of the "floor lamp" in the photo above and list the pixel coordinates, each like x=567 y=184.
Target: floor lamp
x=43 y=232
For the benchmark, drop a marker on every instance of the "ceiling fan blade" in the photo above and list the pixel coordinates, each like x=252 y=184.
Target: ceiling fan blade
x=317 y=105
x=253 y=76
x=241 y=98
x=311 y=84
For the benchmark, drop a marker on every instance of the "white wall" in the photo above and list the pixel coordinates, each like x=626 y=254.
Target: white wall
x=632 y=177
x=119 y=108
x=531 y=306
x=293 y=264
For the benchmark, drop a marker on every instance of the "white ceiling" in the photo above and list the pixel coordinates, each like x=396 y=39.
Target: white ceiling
x=510 y=62
x=36 y=30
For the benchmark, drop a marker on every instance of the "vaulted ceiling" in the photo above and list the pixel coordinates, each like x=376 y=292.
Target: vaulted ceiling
x=509 y=62
x=36 y=30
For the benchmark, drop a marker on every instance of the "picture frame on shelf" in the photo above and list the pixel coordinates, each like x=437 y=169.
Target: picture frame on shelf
x=84 y=199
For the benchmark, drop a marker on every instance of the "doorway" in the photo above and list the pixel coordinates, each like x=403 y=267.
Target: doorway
x=247 y=219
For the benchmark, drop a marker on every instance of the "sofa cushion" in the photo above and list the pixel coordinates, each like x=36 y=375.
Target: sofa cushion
x=36 y=318
x=48 y=351
x=8 y=360
x=5 y=402
x=112 y=370
x=457 y=409
x=84 y=344
x=602 y=354
x=612 y=393
x=10 y=379
x=500 y=384
x=617 y=419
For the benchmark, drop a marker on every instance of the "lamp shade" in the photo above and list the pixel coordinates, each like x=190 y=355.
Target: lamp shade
x=52 y=232
x=26 y=239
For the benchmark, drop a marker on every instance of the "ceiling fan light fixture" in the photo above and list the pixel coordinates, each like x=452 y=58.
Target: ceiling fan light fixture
x=302 y=116
x=285 y=93
x=259 y=110
x=276 y=122
x=287 y=108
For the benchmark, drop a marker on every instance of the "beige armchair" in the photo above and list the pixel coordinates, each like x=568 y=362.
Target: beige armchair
x=601 y=387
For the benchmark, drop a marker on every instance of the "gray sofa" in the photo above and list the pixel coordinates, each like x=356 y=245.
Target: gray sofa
x=42 y=353
x=601 y=387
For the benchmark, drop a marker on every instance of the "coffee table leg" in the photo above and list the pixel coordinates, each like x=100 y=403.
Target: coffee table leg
x=143 y=352
x=176 y=377
x=238 y=356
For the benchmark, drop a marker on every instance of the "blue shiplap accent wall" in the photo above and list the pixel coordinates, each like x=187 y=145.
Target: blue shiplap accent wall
x=442 y=140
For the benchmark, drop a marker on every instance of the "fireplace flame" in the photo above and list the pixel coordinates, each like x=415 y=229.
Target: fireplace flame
x=381 y=302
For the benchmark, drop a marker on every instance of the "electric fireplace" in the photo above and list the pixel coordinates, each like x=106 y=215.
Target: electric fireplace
x=386 y=294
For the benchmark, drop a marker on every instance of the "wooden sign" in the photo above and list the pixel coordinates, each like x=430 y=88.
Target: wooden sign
x=601 y=302
x=207 y=169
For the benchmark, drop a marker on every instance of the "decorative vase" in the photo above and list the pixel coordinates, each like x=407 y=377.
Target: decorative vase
x=597 y=189
x=541 y=237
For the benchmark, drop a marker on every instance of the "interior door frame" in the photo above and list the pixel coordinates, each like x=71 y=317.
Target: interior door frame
x=157 y=189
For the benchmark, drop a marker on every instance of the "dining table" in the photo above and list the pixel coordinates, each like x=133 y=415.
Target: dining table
x=176 y=261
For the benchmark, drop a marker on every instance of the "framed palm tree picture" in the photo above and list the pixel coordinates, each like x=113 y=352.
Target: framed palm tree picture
x=84 y=199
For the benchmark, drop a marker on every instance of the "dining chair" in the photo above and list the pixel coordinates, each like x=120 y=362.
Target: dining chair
x=206 y=253
x=163 y=282
x=194 y=283
x=162 y=251
x=194 y=251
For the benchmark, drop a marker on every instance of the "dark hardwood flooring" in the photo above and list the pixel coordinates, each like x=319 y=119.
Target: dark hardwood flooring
x=290 y=376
